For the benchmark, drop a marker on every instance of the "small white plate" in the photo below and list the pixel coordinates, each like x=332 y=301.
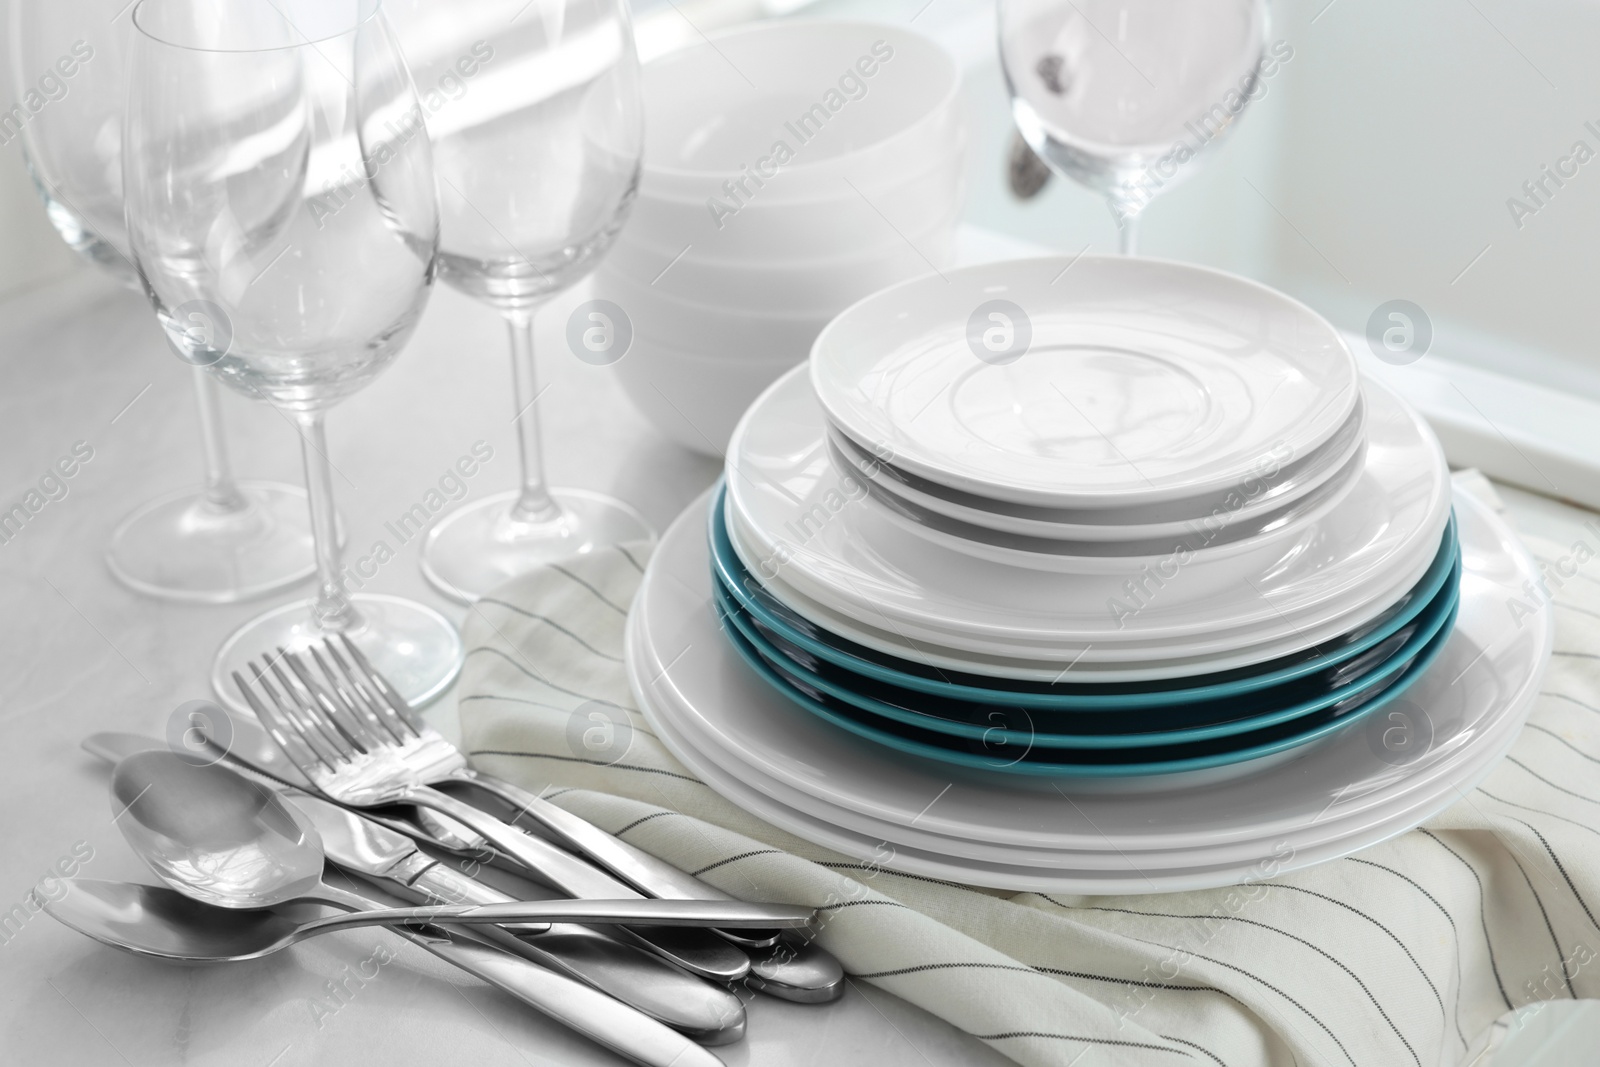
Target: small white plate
x=1246 y=545
x=1101 y=381
x=708 y=706
x=795 y=515
x=1277 y=485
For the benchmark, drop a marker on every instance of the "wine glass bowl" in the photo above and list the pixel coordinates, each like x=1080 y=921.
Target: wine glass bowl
x=550 y=95
x=536 y=121
x=279 y=189
x=231 y=540
x=1126 y=96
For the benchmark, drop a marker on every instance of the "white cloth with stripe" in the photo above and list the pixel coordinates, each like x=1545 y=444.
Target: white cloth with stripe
x=1412 y=952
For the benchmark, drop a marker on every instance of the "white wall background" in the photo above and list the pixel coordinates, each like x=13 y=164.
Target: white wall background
x=1385 y=151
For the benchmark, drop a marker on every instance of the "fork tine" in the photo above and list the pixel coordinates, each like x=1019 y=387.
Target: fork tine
x=306 y=710
x=380 y=729
x=323 y=706
x=380 y=685
x=329 y=748
x=300 y=753
x=397 y=726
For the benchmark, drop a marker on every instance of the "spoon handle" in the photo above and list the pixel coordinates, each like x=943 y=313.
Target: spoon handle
x=608 y=1022
x=732 y=913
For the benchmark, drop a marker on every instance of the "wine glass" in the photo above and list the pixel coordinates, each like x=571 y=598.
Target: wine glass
x=231 y=540
x=537 y=129
x=277 y=176
x=1127 y=96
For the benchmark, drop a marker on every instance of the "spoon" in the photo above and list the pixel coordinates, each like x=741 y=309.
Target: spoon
x=226 y=841
x=157 y=922
x=154 y=921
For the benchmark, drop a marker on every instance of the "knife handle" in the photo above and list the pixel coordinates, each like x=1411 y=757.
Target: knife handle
x=598 y=1017
x=446 y=885
x=649 y=875
x=700 y=952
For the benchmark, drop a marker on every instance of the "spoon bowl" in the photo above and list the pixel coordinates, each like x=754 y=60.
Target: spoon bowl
x=161 y=923
x=214 y=835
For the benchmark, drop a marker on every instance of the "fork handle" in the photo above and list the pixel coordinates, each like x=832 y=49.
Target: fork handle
x=704 y=954
x=595 y=1015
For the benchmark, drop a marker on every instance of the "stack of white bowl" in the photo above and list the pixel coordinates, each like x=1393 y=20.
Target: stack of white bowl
x=791 y=168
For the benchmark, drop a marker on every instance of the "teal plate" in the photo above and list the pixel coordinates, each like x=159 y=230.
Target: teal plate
x=1032 y=761
x=779 y=621
x=1340 y=687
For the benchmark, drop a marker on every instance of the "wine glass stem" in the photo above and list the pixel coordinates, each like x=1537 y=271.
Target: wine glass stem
x=222 y=494
x=331 y=607
x=1128 y=235
x=534 y=504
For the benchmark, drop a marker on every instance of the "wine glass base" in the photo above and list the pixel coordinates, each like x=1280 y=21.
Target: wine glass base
x=182 y=547
x=479 y=547
x=414 y=647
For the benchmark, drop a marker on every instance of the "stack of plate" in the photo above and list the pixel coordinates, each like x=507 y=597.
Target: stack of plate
x=1173 y=550
x=791 y=168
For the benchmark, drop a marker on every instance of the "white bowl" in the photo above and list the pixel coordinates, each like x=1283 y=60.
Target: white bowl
x=662 y=319
x=695 y=400
x=817 y=289
x=840 y=97
x=851 y=221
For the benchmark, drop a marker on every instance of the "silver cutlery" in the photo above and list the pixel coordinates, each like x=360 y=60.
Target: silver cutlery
x=796 y=970
x=250 y=751
x=705 y=1011
x=360 y=691
x=224 y=840
x=336 y=751
x=801 y=973
x=159 y=922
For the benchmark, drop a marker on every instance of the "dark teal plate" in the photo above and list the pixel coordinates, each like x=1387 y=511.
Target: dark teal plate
x=995 y=755
x=1134 y=728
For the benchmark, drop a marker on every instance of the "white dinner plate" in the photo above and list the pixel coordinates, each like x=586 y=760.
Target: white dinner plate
x=795 y=515
x=1100 y=381
x=1277 y=484
x=1460 y=711
x=1062 y=872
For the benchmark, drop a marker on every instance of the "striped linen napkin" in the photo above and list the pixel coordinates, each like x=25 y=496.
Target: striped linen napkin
x=1412 y=952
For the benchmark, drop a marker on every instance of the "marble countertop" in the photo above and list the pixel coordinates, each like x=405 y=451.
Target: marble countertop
x=84 y=361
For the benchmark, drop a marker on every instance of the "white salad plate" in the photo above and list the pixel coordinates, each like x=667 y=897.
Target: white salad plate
x=1250 y=545
x=792 y=514
x=784 y=765
x=1277 y=482
x=1100 y=381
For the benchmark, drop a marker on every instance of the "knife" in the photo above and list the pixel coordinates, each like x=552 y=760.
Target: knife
x=361 y=844
x=709 y=1013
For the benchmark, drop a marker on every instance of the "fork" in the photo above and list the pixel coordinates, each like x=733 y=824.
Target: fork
x=444 y=763
x=356 y=756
